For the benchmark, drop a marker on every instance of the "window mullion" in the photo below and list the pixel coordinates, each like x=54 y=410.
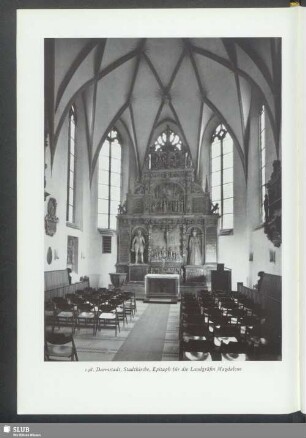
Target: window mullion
x=221 y=166
x=71 y=180
x=68 y=174
x=109 y=181
x=74 y=184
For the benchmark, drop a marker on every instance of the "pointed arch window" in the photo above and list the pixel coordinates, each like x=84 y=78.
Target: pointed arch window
x=221 y=176
x=167 y=152
x=109 y=181
x=168 y=138
x=71 y=173
x=262 y=160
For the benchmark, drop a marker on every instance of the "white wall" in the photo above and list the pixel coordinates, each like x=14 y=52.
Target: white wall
x=259 y=244
x=248 y=234
x=91 y=261
x=233 y=249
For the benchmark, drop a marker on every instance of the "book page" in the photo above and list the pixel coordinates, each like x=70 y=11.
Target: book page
x=221 y=53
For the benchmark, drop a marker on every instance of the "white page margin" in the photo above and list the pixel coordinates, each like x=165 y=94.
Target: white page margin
x=52 y=388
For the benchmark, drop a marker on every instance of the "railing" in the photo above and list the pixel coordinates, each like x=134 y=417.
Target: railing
x=252 y=294
x=67 y=289
x=270 y=293
x=269 y=297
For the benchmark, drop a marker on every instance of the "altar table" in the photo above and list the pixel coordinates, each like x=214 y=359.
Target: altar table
x=162 y=287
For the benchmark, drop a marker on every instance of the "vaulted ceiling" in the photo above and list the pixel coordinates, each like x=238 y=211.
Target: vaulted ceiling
x=144 y=84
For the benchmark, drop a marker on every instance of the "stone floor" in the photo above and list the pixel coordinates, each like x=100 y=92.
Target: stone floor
x=104 y=345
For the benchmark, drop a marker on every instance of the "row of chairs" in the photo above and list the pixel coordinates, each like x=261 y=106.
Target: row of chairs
x=228 y=310
x=231 y=299
x=91 y=310
x=220 y=325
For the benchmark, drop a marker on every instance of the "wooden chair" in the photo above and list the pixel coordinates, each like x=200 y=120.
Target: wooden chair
x=190 y=307
x=69 y=297
x=196 y=331
x=50 y=315
x=59 y=347
x=195 y=350
x=59 y=302
x=108 y=318
x=66 y=317
x=228 y=331
x=234 y=351
x=77 y=300
x=130 y=304
x=119 y=304
x=86 y=317
x=193 y=319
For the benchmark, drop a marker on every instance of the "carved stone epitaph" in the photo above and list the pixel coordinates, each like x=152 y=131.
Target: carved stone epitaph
x=273 y=206
x=50 y=219
x=164 y=220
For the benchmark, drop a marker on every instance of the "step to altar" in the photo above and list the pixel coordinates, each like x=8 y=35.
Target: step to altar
x=159 y=300
x=138 y=287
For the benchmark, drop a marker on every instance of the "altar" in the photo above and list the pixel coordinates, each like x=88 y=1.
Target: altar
x=162 y=287
x=168 y=224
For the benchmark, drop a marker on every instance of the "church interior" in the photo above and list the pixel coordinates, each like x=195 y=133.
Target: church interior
x=162 y=197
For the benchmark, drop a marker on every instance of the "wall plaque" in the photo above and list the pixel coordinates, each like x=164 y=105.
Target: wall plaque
x=50 y=219
x=49 y=256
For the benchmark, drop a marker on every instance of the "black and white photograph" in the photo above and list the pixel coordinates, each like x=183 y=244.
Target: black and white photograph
x=162 y=199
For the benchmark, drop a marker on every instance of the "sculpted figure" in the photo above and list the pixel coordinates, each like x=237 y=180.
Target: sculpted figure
x=214 y=208
x=138 y=246
x=122 y=208
x=195 y=249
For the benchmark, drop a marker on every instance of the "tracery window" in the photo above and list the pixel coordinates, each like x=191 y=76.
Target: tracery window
x=168 y=137
x=109 y=183
x=168 y=152
x=221 y=176
x=70 y=210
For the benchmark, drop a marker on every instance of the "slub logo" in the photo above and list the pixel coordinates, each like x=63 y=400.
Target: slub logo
x=18 y=429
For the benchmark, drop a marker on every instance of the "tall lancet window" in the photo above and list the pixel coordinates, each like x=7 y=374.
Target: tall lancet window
x=109 y=184
x=262 y=160
x=221 y=175
x=70 y=211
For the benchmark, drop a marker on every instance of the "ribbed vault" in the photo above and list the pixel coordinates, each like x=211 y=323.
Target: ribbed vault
x=149 y=83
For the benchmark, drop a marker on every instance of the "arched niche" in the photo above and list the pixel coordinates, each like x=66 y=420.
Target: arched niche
x=144 y=233
x=198 y=230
